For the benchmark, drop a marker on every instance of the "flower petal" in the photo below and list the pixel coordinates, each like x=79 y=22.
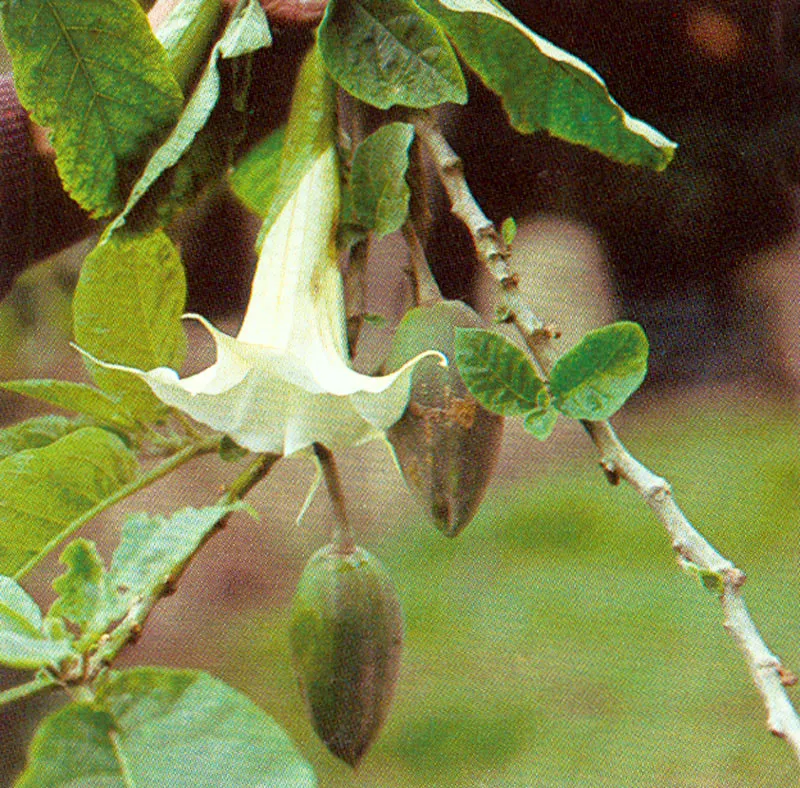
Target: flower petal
x=284 y=382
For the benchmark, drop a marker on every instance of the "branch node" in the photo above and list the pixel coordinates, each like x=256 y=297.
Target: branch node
x=735 y=577
x=611 y=472
x=788 y=679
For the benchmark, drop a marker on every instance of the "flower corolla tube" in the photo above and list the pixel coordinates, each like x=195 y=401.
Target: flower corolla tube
x=284 y=382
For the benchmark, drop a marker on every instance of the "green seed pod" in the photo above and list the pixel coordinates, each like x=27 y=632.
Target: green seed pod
x=346 y=636
x=446 y=443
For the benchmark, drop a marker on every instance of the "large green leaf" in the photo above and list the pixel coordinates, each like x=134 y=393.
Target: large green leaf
x=544 y=87
x=309 y=131
x=594 y=379
x=150 y=552
x=389 y=52
x=154 y=727
x=246 y=31
x=380 y=193
x=93 y=73
x=254 y=179
x=23 y=642
x=77 y=397
x=127 y=309
x=34 y=434
x=498 y=374
x=186 y=36
x=153 y=547
x=44 y=492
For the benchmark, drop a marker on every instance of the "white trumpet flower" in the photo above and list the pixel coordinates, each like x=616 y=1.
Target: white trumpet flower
x=284 y=382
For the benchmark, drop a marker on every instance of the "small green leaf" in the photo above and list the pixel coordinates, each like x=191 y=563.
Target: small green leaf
x=378 y=179
x=254 y=178
x=544 y=87
x=82 y=589
x=594 y=379
x=127 y=309
x=309 y=131
x=508 y=230
x=23 y=642
x=34 y=434
x=390 y=52
x=153 y=727
x=44 y=492
x=712 y=582
x=498 y=374
x=77 y=397
x=246 y=32
x=540 y=423
x=93 y=73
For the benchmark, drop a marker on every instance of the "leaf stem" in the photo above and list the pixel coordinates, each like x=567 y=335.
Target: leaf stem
x=38 y=684
x=191 y=451
x=691 y=547
x=342 y=533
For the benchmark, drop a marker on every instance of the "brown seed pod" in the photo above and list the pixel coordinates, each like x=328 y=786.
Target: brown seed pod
x=446 y=443
x=346 y=636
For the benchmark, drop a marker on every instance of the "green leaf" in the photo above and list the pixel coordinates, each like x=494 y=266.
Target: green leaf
x=540 y=423
x=186 y=35
x=23 y=643
x=45 y=492
x=389 y=52
x=498 y=374
x=508 y=230
x=309 y=131
x=93 y=73
x=246 y=32
x=127 y=309
x=594 y=379
x=380 y=193
x=153 y=727
x=82 y=589
x=152 y=548
x=34 y=434
x=254 y=179
x=544 y=87
x=77 y=397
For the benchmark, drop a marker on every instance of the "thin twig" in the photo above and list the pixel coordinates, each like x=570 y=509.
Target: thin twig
x=691 y=547
x=425 y=288
x=42 y=682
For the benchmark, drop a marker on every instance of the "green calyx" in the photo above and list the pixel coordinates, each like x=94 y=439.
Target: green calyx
x=446 y=443
x=346 y=635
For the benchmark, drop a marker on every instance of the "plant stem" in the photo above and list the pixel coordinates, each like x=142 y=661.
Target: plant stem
x=342 y=533
x=691 y=547
x=145 y=480
x=425 y=288
x=41 y=682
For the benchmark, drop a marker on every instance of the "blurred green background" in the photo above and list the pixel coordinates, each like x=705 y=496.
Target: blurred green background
x=556 y=642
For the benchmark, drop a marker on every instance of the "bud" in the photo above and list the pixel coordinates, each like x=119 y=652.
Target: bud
x=346 y=636
x=446 y=443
